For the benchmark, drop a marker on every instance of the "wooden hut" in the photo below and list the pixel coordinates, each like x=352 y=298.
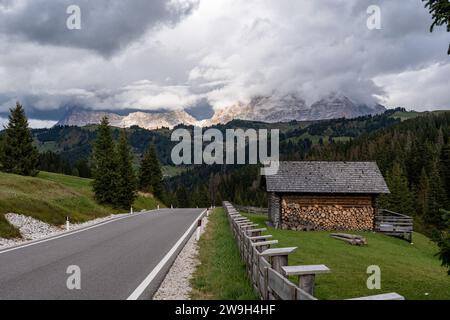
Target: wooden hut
x=319 y=195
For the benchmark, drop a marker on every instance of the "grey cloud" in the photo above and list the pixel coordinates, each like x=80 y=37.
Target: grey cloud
x=107 y=26
x=222 y=52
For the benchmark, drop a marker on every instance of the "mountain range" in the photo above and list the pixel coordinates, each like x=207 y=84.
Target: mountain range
x=269 y=109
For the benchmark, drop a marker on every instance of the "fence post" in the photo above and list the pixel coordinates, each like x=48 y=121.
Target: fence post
x=278 y=257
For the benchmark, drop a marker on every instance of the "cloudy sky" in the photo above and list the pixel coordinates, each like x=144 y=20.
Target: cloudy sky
x=172 y=54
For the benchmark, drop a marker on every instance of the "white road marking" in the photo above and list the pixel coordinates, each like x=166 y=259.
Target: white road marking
x=66 y=234
x=144 y=284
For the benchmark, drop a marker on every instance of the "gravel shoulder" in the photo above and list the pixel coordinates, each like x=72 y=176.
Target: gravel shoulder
x=32 y=229
x=176 y=285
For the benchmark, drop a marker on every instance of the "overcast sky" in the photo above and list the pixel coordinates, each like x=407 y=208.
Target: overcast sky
x=176 y=53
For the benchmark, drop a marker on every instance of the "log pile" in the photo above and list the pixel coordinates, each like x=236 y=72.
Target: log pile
x=350 y=238
x=326 y=217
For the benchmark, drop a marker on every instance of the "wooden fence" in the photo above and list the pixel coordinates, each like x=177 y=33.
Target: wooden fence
x=253 y=210
x=267 y=267
x=394 y=224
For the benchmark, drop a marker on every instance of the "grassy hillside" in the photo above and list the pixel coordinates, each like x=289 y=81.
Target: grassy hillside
x=51 y=197
x=410 y=270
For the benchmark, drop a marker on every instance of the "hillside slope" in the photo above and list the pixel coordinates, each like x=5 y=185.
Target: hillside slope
x=412 y=270
x=51 y=198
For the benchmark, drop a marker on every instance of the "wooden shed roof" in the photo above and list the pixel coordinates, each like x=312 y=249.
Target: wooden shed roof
x=327 y=177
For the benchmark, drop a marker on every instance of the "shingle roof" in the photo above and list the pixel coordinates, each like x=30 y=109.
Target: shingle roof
x=327 y=177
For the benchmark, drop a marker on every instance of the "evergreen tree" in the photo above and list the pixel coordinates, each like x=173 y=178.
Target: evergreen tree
x=423 y=194
x=444 y=241
x=1 y=149
x=203 y=200
x=440 y=11
x=183 y=198
x=18 y=155
x=104 y=165
x=400 y=199
x=150 y=177
x=445 y=168
x=126 y=181
x=437 y=198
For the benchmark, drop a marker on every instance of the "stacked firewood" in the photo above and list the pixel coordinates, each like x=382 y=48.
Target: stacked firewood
x=326 y=217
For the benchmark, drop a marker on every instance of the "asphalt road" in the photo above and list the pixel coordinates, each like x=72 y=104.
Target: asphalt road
x=114 y=259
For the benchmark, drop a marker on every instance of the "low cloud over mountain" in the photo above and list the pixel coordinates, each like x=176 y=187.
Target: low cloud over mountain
x=173 y=54
x=265 y=109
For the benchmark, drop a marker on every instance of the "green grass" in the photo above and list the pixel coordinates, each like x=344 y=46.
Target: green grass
x=406 y=115
x=410 y=270
x=51 y=197
x=221 y=274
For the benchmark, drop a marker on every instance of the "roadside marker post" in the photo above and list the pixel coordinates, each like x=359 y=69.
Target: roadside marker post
x=199 y=228
x=67 y=224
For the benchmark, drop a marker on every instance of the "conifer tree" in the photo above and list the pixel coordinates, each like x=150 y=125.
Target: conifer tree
x=437 y=197
x=104 y=165
x=18 y=154
x=150 y=177
x=423 y=194
x=183 y=198
x=203 y=200
x=126 y=181
x=400 y=199
x=444 y=240
x=440 y=11
x=445 y=168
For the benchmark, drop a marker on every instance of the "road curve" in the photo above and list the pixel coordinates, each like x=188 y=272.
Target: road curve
x=114 y=258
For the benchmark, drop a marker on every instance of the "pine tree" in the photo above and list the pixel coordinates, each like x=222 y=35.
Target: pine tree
x=400 y=199
x=444 y=241
x=104 y=165
x=183 y=198
x=445 y=168
x=18 y=155
x=440 y=11
x=150 y=177
x=437 y=198
x=126 y=181
x=204 y=201
x=423 y=194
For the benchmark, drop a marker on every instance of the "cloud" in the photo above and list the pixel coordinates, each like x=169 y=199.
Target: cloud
x=106 y=26
x=425 y=89
x=179 y=53
x=313 y=48
x=33 y=123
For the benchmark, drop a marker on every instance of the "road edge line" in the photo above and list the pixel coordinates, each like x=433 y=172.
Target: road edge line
x=156 y=270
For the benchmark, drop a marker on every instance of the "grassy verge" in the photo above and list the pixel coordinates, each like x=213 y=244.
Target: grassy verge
x=51 y=197
x=221 y=274
x=410 y=270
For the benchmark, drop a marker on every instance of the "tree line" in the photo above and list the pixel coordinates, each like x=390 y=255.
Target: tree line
x=115 y=181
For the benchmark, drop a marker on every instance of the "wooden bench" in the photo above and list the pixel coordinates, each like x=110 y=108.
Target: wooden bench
x=386 y=296
x=306 y=275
